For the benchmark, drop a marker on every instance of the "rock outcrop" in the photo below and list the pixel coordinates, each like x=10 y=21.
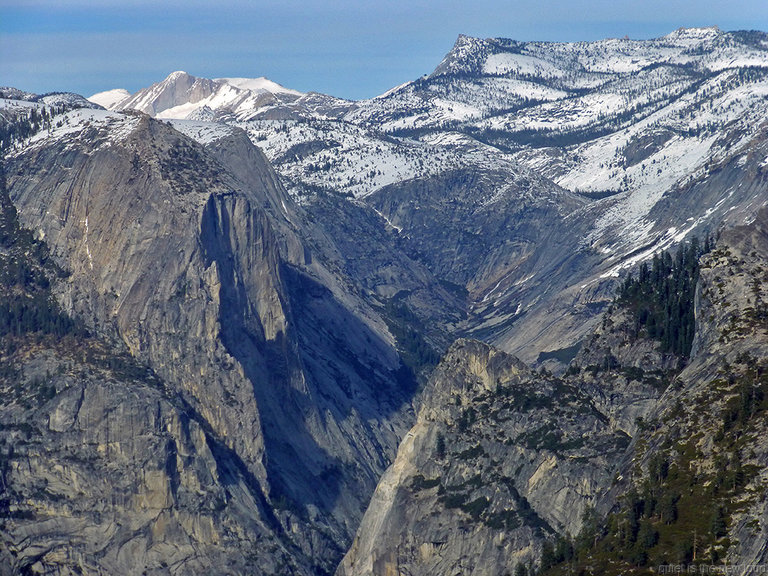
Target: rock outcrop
x=500 y=459
x=101 y=472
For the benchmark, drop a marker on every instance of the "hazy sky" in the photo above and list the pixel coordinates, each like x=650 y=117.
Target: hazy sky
x=352 y=49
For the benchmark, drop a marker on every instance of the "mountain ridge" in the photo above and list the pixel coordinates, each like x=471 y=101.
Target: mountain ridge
x=626 y=124
x=292 y=267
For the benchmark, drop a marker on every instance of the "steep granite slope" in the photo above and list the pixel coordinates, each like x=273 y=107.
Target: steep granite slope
x=500 y=460
x=103 y=469
x=503 y=460
x=196 y=259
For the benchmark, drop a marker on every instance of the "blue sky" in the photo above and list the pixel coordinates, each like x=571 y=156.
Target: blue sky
x=352 y=49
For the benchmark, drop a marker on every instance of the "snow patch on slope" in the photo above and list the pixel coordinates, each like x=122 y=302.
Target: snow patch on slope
x=202 y=132
x=101 y=128
x=505 y=63
x=259 y=85
x=111 y=98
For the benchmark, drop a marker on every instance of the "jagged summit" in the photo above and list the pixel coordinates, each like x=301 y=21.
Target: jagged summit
x=706 y=48
x=181 y=95
x=464 y=56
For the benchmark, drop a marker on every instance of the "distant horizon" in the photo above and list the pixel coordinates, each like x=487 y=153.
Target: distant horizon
x=347 y=49
x=160 y=80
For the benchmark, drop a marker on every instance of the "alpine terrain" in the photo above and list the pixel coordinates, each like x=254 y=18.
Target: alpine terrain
x=507 y=318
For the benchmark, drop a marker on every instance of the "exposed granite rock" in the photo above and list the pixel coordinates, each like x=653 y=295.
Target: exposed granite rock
x=499 y=460
x=192 y=258
x=623 y=373
x=103 y=468
x=102 y=473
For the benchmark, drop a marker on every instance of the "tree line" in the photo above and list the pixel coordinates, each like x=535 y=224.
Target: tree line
x=661 y=296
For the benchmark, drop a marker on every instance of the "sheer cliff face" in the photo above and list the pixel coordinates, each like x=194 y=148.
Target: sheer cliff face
x=190 y=258
x=500 y=459
x=102 y=469
x=147 y=227
x=102 y=473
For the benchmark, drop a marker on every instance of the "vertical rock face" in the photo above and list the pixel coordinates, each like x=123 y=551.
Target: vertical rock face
x=500 y=459
x=103 y=470
x=139 y=224
x=190 y=258
x=109 y=476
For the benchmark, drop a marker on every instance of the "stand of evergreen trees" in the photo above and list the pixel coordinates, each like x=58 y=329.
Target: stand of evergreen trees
x=24 y=126
x=26 y=303
x=661 y=297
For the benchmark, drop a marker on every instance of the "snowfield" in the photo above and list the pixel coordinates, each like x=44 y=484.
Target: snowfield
x=620 y=122
x=111 y=98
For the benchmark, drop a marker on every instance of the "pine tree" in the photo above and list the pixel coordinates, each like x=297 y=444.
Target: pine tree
x=717 y=524
x=547 y=556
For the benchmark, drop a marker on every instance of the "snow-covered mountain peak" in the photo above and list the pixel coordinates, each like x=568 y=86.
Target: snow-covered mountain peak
x=706 y=48
x=465 y=57
x=178 y=88
x=693 y=35
x=260 y=84
x=181 y=95
x=98 y=128
x=391 y=91
x=110 y=99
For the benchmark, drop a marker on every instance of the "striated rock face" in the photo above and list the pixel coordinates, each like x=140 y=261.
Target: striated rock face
x=150 y=251
x=110 y=476
x=103 y=468
x=499 y=460
x=477 y=226
x=509 y=237
x=192 y=258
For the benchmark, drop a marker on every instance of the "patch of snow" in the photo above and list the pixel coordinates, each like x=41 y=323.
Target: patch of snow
x=392 y=90
x=202 y=132
x=110 y=99
x=506 y=63
x=12 y=105
x=112 y=128
x=259 y=85
x=388 y=221
x=87 y=247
